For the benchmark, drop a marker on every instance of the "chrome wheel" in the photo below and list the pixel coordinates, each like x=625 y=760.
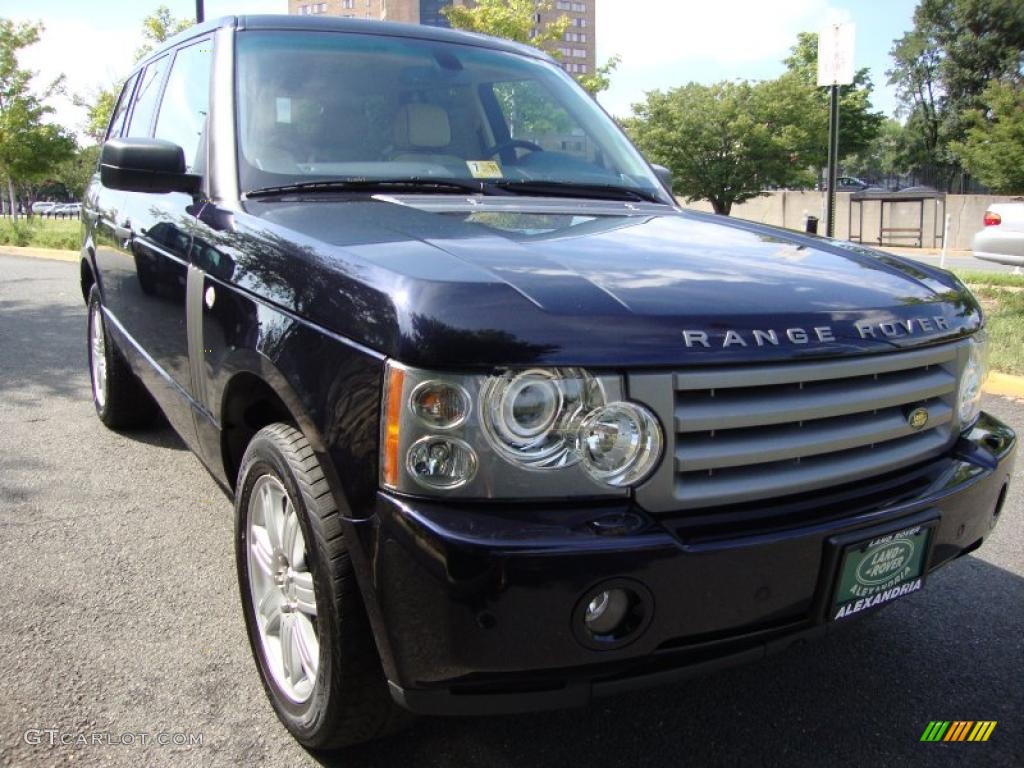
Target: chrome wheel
x=98 y=353
x=281 y=587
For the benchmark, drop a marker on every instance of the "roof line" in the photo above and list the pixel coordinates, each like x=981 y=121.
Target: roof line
x=338 y=24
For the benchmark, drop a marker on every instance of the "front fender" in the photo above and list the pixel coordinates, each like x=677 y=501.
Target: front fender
x=331 y=387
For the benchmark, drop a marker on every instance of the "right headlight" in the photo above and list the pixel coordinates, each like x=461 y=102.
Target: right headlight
x=972 y=380
x=535 y=432
x=619 y=444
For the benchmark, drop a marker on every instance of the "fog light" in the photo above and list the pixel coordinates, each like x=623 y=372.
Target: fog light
x=612 y=614
x=441 y=463
x=606 y=611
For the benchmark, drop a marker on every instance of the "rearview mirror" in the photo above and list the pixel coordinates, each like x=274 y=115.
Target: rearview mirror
x=146 y=165
x=664 y=175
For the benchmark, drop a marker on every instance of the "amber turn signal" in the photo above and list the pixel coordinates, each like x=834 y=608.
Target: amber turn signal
x=392 y=418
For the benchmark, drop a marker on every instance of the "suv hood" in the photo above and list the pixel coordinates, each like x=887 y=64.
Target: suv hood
x=443 y=280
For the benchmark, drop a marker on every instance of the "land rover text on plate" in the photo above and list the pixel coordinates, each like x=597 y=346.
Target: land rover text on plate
x=505 y=428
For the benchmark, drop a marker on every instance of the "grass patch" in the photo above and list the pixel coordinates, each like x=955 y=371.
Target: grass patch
x=973 y=277
x=1002 y=298
x=1004 y=312
x=64 y=234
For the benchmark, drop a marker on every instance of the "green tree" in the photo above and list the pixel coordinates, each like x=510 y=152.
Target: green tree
x=915 y=74
x=858 y=124
x=76 y=171
x=99 y=106
x=993 y=147
x=942 y=67
x=158 y=27
x=30 y=147
x=725 y=143
x=883 y=157
x=600 y=79
x=510 y=19
x=516 y=20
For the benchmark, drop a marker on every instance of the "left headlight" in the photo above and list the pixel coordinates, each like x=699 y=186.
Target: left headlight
x=972 y=380
x=535 y=432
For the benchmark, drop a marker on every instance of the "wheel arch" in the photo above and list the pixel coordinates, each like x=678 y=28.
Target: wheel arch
x=255 y=396
x=87 y=274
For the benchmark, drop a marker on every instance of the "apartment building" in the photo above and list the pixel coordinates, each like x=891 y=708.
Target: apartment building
x=355 y=9
x=577 y=49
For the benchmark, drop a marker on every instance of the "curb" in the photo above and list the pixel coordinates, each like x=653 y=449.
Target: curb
x=1004 y=384
x=39 y=253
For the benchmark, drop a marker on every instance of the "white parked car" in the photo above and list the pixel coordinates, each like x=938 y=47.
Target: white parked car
x=1002 y=239
x=43 y=207
x=67 y=209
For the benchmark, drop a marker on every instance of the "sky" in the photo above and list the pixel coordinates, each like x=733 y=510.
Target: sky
x=663 y=43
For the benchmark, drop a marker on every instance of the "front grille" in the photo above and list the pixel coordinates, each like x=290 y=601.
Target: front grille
x=744 y=433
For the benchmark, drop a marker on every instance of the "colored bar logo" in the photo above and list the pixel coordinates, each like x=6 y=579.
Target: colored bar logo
x=959 y=730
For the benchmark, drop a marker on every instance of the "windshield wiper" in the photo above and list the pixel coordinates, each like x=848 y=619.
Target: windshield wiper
x=574 y=189
x=443 y=186
x=369 y=185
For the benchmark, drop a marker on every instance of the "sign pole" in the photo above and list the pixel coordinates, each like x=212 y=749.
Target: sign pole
x=833 y=161
x=945 y=241
x=200 y=14
x=835 y=68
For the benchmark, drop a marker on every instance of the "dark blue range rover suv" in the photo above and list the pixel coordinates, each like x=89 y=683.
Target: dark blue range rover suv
x=504 y=427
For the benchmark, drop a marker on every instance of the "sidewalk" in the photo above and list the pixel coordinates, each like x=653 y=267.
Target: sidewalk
x=954 y=259
x=912 y=252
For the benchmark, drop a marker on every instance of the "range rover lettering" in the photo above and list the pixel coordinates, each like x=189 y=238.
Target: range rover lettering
x=506 y=428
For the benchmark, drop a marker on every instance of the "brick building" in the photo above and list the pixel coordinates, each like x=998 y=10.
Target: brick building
x=577 y=49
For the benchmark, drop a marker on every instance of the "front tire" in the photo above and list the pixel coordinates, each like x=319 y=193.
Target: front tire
x=120 y=399
x=307 y=627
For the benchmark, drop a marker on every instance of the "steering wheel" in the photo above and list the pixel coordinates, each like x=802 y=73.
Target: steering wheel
x=497 y=149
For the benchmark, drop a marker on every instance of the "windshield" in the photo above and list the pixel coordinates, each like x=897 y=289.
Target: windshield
x=323 y=106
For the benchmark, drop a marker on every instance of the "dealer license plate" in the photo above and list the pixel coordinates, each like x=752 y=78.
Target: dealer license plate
x=880 y=570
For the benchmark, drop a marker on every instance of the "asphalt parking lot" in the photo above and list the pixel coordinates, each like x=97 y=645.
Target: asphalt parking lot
x=120 y=616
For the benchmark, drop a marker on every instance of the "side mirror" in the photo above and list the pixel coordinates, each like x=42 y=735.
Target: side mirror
x=664 y=175
x=146 y=165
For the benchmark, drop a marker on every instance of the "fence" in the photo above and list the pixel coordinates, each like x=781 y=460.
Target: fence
x=6 y=214
x=789 y=209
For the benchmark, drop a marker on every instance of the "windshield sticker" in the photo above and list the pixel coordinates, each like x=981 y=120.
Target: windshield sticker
x=284 y=110
x=484 y=169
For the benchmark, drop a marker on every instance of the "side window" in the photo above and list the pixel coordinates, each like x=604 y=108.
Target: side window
x=531 y=113
x=116 y=127
x=147 y=97
x=186 y=101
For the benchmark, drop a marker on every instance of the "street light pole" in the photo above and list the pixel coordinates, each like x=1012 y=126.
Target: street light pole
x=200 y=15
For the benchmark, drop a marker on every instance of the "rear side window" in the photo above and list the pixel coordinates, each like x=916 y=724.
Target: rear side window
x=147 y=97
x=186 y=101
x=116 y=127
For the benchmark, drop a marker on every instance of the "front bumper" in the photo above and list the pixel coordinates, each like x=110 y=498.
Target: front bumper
x=474 y=610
